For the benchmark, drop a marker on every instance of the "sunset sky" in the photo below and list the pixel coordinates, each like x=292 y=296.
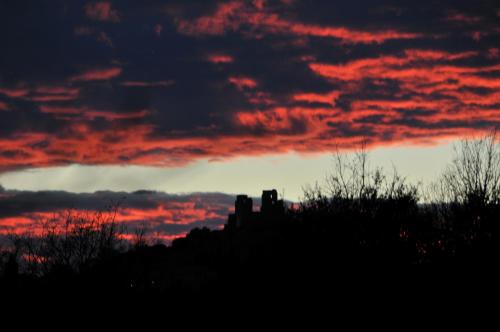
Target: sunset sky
x=191 y=102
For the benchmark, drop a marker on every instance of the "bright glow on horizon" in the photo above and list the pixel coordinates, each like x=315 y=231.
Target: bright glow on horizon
x=249 y=175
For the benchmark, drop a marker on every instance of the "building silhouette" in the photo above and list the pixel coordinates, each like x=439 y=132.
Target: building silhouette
x=271 y=208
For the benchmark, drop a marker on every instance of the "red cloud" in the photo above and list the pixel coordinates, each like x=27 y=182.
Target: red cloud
x=343 y=33
x=435 y=92
x=259 y=4
x=57 y=90
x=216 y=24
x=158 y=219
x=87 y=114
x=101 y=11
x=98 y=74
x=329 y=98
x=14 y=93
x=421 y=96
x=494 y=53
x=49 y=98
x=433 y=89
x=403 y=95
x=283 y=119
x=179 y=213
x=43 y=93
x=275 y=130
x=242 y=82
x=220 y=58
x=111 y=116
x=259 y=98
x=427 y=55
x=20 y=225
x=231 y=16
x=411 y=69
x=54 y=93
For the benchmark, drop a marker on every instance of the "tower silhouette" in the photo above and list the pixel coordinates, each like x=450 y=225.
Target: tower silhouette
x=271 y=207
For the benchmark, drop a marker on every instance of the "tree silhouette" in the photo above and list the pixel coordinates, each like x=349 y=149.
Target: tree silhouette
x=69 y=241
x=473 y=177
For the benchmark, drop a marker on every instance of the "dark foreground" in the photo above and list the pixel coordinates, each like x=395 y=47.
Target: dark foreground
x=344 y=246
